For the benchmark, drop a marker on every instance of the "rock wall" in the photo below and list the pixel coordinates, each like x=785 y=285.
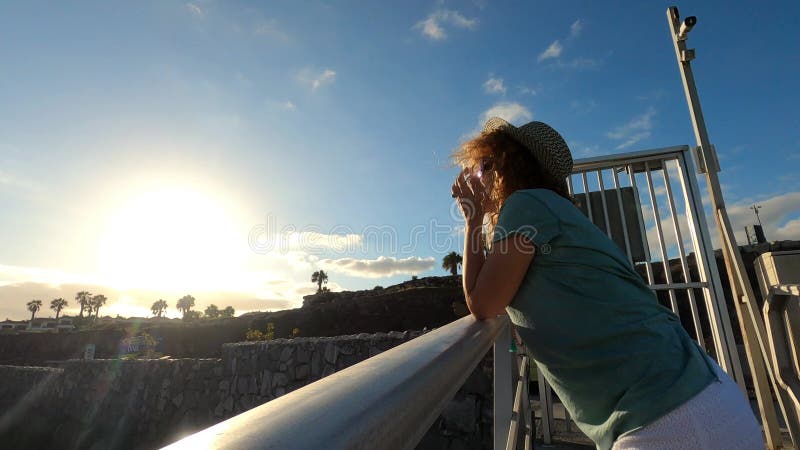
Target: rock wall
x=120 y=404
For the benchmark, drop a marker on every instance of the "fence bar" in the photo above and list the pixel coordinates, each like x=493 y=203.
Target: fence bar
x=519 y=402
x=526 y=407
x=603 y=201
x=365 y=398
x=659 y=232
x=698 y=328
x=618 y=189
x=646 y=245
x=588 y=200
x=726 y=352
x=606 y=161
x=503 y=394
x=546 y=406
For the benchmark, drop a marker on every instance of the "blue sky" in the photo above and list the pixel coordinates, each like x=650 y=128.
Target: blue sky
x=126 y=127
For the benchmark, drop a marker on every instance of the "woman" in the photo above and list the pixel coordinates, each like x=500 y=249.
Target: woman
x=622 y=364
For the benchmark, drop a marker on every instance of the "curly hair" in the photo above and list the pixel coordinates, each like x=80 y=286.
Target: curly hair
x=514 y=166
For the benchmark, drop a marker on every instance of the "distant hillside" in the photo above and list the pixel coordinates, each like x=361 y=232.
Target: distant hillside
x=412 y=305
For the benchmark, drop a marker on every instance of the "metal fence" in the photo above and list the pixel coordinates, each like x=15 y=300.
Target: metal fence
x=649 y=203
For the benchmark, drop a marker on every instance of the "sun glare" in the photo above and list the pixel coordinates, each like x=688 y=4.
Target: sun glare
x=171 y=239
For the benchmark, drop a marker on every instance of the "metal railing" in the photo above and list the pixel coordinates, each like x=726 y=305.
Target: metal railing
x=782 y=317
x=369 y=405
x=649 y=203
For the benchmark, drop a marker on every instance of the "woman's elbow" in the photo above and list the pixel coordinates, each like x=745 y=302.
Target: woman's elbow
x=482 y=310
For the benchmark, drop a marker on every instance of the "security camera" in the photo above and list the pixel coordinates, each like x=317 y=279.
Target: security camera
x=686 y=26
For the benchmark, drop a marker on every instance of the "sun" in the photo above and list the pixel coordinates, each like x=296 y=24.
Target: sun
x=173 y=239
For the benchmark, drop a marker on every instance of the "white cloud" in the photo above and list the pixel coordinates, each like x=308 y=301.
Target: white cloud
x=582 y=150
x=576 y=63
x=310 y=241
x=510 y=111
x=494 y=85
x=326 y=77
x=525 y=90
x=195 y=10
x=433 y=26
x=637 y=129
x=316 y=79
x=380 y=267
x=12 y=181
x=776 y=215
x=289 y=105
x=270 y=28
x=576 y=28
x=553 y=51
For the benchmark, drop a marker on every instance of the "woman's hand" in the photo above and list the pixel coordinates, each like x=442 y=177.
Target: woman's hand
x=468 y=191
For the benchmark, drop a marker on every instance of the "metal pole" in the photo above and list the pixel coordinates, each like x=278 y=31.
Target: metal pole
x=749 y=316
x=503 y=394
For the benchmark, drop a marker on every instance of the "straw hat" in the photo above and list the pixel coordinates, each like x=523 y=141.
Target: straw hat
x=546 y=145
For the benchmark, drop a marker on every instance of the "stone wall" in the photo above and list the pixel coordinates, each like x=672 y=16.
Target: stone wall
x=112 y=404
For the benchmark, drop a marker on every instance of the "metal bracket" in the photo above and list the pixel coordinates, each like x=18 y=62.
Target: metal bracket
x=687 y=55
x=706 y=160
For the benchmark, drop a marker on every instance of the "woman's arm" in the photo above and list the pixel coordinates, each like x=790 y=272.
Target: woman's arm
x=491 y=281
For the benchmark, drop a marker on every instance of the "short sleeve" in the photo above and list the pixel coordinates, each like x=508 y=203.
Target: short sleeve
x=524 y=214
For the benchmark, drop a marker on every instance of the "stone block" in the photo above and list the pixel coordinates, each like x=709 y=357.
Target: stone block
x=286 y=353
x=266 y=383
x=228 y=404
x=252 y=388
x=316 y=365
x=303 y=355
x=242 y=386
x=330 y=353
x=302 y=371
x=279 y=380
x=274 y=352
x=347 y=349
x=178 y=400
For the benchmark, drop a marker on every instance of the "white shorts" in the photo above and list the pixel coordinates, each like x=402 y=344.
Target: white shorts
x=719 y=417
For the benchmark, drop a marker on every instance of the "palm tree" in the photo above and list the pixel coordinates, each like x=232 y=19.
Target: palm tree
x=451 y=261
x=212 y=311
x=159 y=307
x=83 y=298
x=227 y=312
x=185 y=304
x=97 y=302
x=319 y=277
x=34 y=306
x=57 y=305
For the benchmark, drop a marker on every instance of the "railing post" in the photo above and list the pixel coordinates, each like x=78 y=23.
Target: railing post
x=503 y=395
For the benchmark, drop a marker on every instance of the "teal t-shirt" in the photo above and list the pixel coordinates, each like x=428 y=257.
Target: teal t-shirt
x=617 y=359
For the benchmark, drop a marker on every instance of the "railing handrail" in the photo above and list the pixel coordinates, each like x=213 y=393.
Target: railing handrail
x=387 y=401
x=621 y=159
